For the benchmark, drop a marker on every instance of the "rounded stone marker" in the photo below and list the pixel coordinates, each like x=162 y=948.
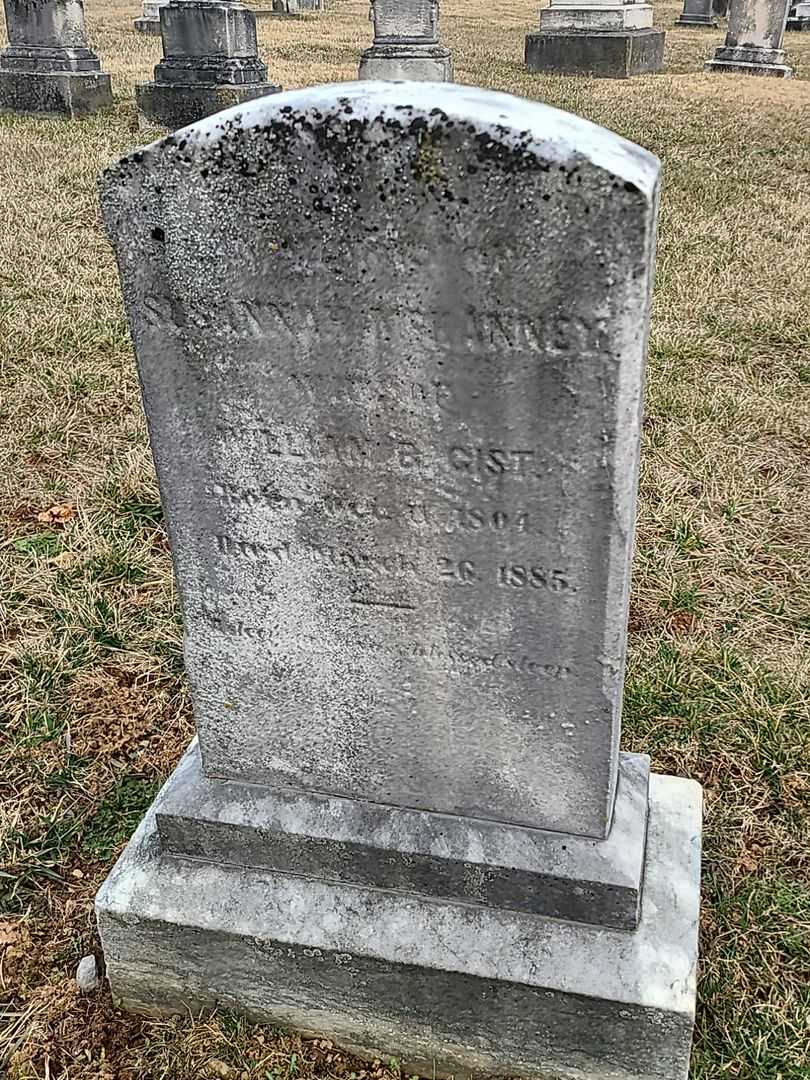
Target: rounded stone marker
x=87 y=977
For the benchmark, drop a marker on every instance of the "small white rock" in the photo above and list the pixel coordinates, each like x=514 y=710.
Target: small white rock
x=87 y=974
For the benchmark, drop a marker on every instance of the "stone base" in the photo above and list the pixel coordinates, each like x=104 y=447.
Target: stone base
x=604 y=54
x=411 y=63
x=697 y=20
x=174 y=106
x=748 y=61
x=447 y=988
x=437 y=855
x=147 y=26
x=798 y=23
x=55 y=93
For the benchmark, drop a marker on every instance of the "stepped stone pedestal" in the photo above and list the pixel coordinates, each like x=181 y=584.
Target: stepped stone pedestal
x=47 y=67
x=602 y=38
x=210 y=62
x=392 y=340
x=753 y=44
x=406 y=43
x=697 y=13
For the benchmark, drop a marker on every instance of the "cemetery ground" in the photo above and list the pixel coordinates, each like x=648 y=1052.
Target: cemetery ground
x=94 y=712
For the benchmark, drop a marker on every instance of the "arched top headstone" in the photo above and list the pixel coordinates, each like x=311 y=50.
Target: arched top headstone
x=391 y=339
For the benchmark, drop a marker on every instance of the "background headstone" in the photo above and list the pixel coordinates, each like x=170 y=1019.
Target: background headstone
x=47 y=66
x=149 y=22
x=605 y=38
x=406 y=43
x=391 y=341
x=297 y=7
x=799 y=16
x=753 y=44
x=697 y=13
x=210 y=62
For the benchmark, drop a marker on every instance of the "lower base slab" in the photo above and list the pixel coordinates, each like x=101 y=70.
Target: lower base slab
x=697 y=20
x=64 y=93
x=446 y=988
x=176 y=105
x=741 y=67
x=409 y=63
x=801 y=22
x=609 y=54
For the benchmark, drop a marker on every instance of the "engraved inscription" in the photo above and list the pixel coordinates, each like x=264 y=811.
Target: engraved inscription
x=235 y=627
x=277 y=554
x=445 y=517
x=536 y=577
x=450 y=570
x=468 y=662
x=250 y=318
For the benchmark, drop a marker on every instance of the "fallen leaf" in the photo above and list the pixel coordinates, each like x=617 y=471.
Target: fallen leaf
x=63 y=560
x=58 y=514
x=8 y=933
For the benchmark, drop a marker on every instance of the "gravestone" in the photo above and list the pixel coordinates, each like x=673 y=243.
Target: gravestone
x=753 y=44
x=149 y=22
x=697 y=13
x=47 y=66
x=406 y=43
x=391 y=342
x=296 y=7
x=799 y=16
x=210 y=62
x=605 y=38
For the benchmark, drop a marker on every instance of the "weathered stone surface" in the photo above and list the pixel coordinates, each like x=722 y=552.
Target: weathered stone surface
x=296 y=7
x=210 y=62
x=402 y=518
x=450 y=858
x=175 y=106
x=149 y=22
x=603 y=54
x=604 y=38
x=753 y=44
x=799 y=16
x=47 y=66
x=72 y=95
x=406 y=43
x=697 y=13
x=87 y=978
x=391 y=343
x=445 y=988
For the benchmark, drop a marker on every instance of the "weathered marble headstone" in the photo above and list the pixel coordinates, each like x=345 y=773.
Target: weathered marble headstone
x=753 y=44
x=799 y=16
x=296 y=7
x=697 y=13
x=149 y=22
x=607 y=38
x=47 y=66
x=391 y=341
x=406 y=43
x=210 y=62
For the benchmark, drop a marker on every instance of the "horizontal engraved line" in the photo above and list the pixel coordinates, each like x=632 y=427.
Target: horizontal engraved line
x=384 y=603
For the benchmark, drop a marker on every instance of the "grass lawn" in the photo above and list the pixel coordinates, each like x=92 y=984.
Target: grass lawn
x=93 y=708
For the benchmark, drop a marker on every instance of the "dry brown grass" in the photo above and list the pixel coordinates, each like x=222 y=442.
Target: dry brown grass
x=93 y=697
